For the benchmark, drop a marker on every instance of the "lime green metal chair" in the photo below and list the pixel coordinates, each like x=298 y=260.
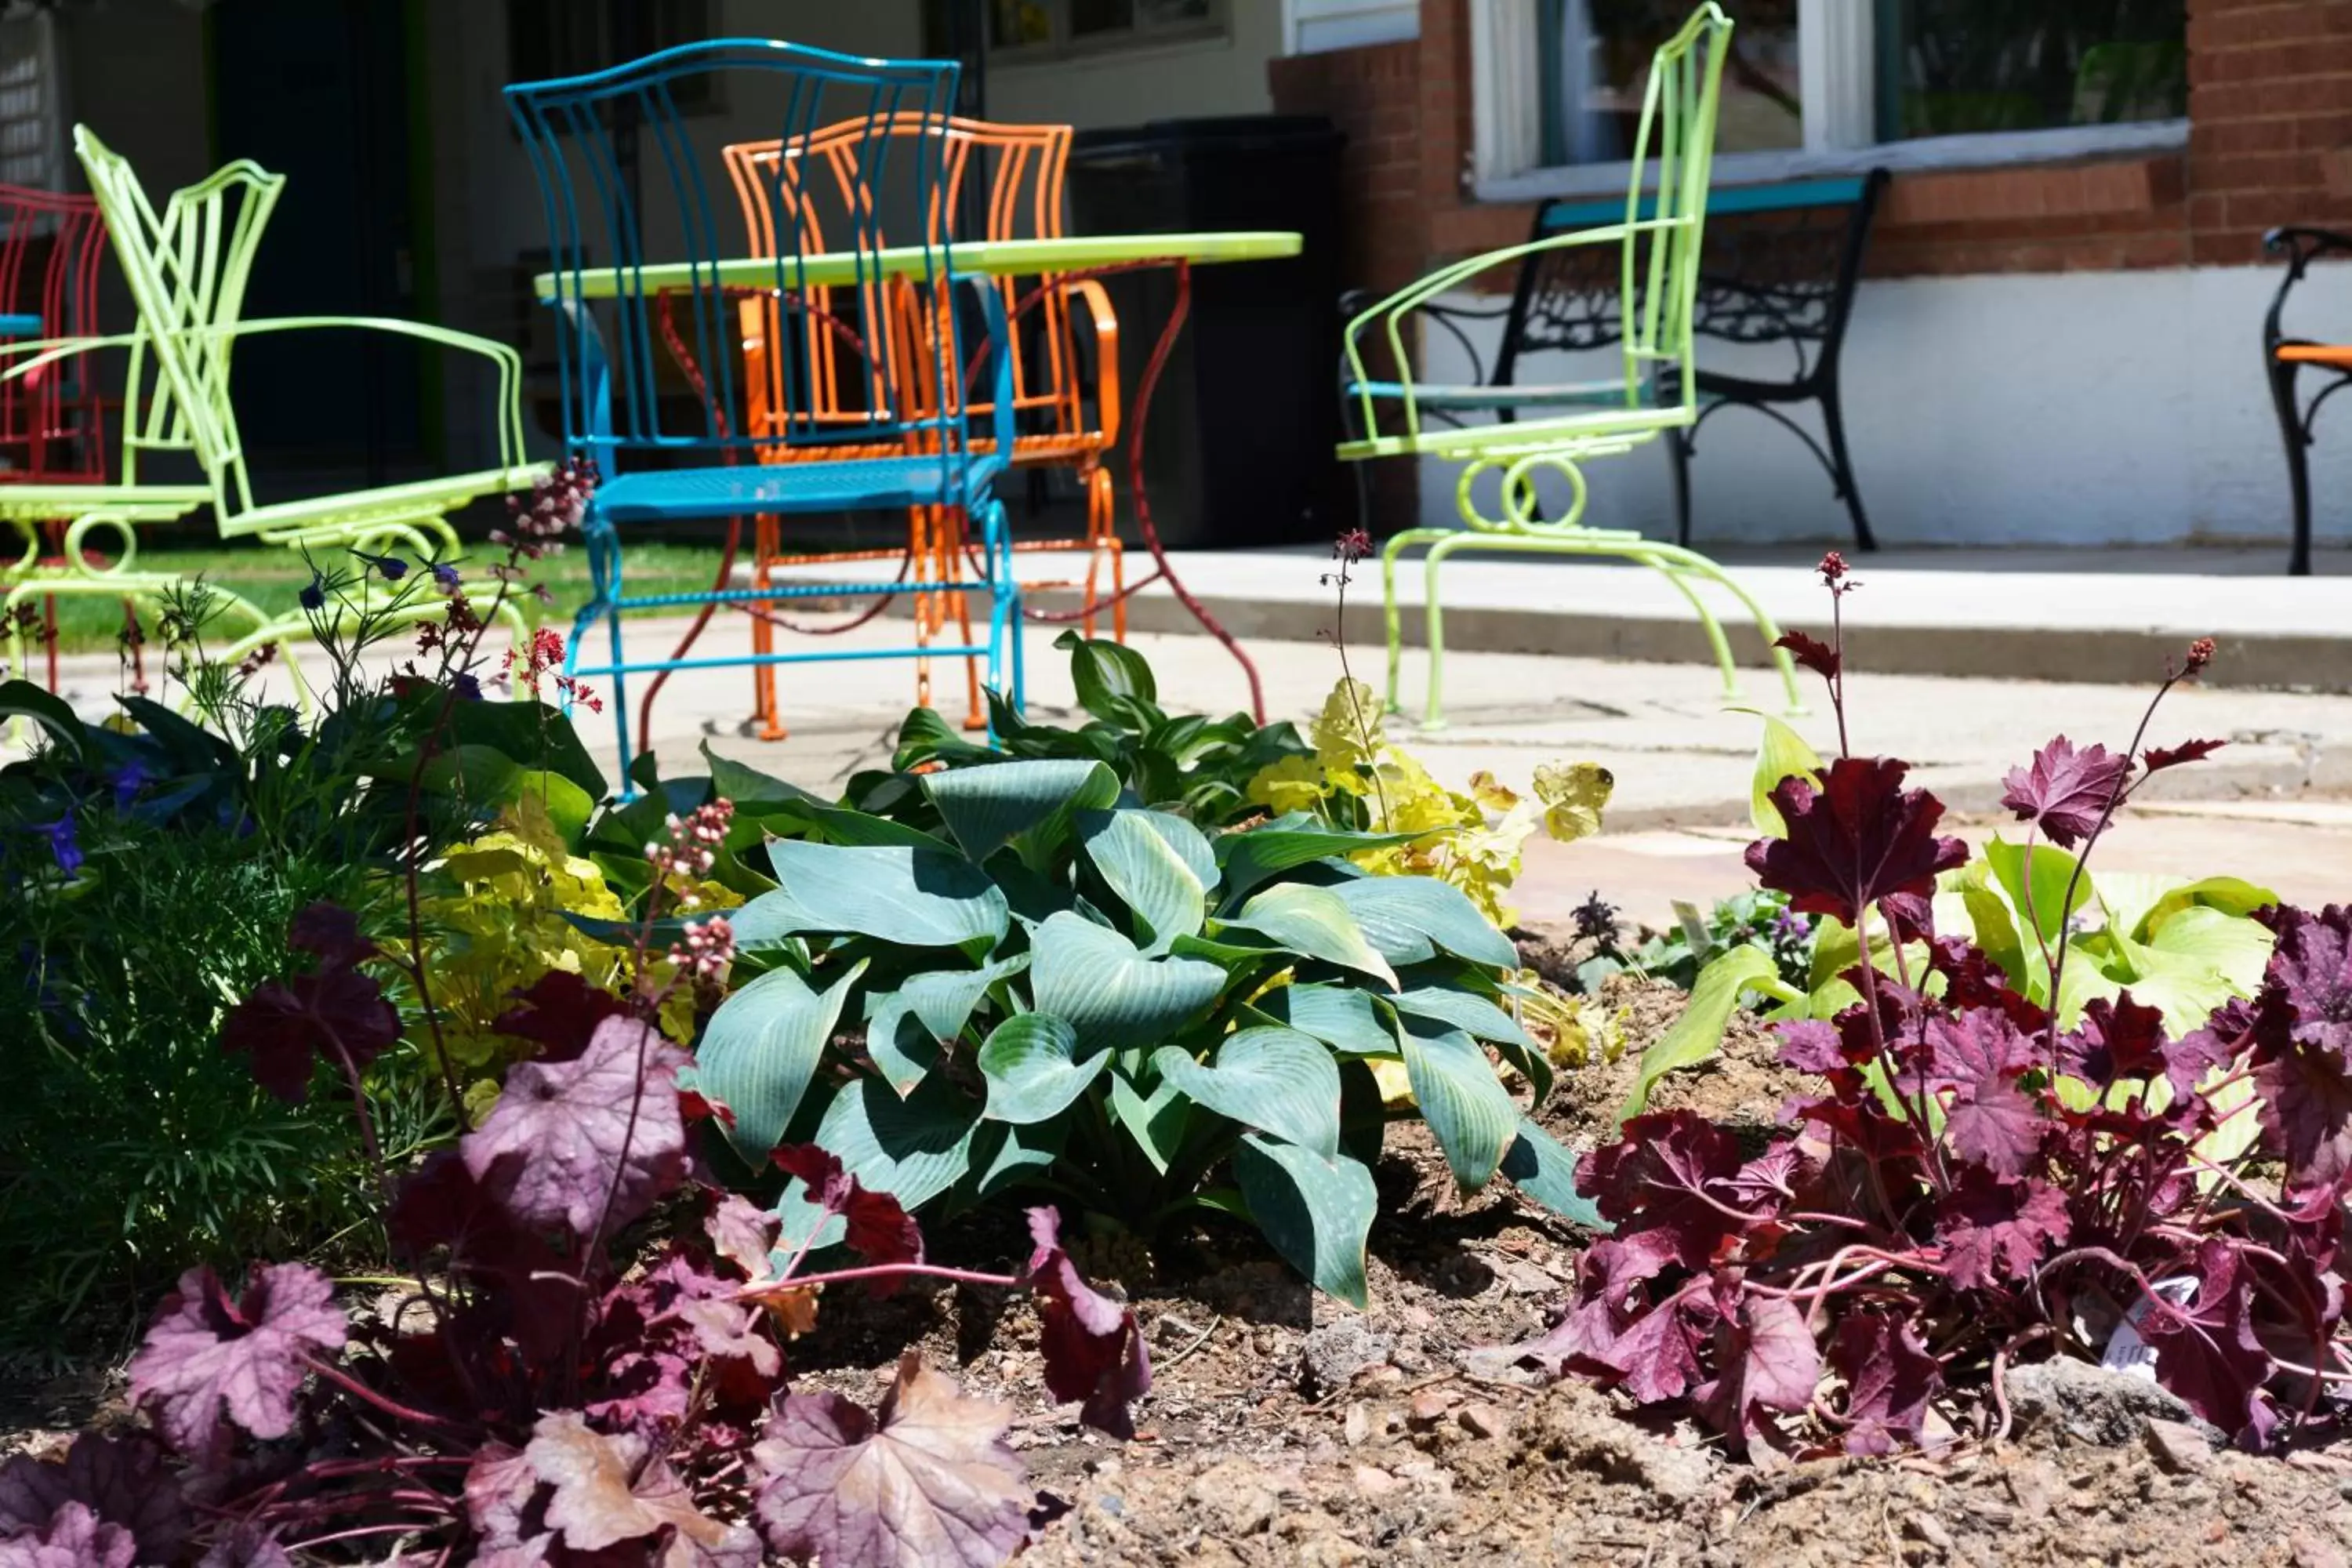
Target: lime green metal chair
x=187 y=270
x=1660 y=242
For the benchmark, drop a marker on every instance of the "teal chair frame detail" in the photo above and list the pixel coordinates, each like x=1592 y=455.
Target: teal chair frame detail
x=1660 y=240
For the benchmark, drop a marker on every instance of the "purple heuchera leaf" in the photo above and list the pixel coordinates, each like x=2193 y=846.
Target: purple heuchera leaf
x=205 y=1353
x=1606 y=1276
x=248 y=1546
x=284 y=1026
x=1979 y=1055
x=122 y=1480
x=73 y=1538
x=878 y=1229
x=2304 y=1101
x=1993 y=1230
x=930 y=1485
x=2206 y=1352
x=1093 y=1349
x=559 y=1012
x=2065 y=791
x=1861 y=838
x=563 y=1138
x=1765 y=1358
x=743 y=1234
x=2308 y=989
x=1665 y=1176
x=602 y=1492
x=1812 y=1044
x=1889 y=1378
x=1656 y=1355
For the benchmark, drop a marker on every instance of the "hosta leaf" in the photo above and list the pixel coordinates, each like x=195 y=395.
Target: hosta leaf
x=1313 y=923
x=1032 y=1070
x=987 y=808
x=1994 y=928
x=2041 y=903
x=1276 y=1080
x=748 y=787
x=2199 y=959
x=1111 y=993
x=1155 y=1122
x=761 y=1048
x=1411 y=920
x=1465 y=1105
x=906 y=1027
x=839 y=824
x=2229 y=895
x=1003 y=1155
x=1159 y=866
x=1341 y=1016
x=1475 y=1016
x=913 y=1148
x=1287 y=842
x=1314 y=1211
x=1781 y=755
x=1698 y=1032
x=1541 y=1168
x=916 y=897
x=1111 y=678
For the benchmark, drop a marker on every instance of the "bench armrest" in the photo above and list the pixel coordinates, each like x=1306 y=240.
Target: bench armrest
x=503 y=355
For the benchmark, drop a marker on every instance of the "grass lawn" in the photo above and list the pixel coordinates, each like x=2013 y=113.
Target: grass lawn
x=272 y=578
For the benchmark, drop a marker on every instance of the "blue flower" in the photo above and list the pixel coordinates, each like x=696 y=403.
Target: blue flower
x=314 y=593
x=445 y=574
x=467 y=688
x=392 y=568
x=64 y=847
x=128 y=781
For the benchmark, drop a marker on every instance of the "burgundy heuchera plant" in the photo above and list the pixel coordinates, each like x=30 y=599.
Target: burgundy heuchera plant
x=1939 y=1211
x=541 y=1393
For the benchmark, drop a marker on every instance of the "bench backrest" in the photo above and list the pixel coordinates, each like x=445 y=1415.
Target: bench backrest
x=1784 y=271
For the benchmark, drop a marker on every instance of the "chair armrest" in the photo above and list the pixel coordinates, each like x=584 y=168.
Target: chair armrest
x=1000 y=338
x=36 y=353
x=1390 y=313
x=1104 y=322
x=503 y=355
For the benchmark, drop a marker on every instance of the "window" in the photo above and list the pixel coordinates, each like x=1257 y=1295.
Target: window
x=1021 y=30
x=1818 y=84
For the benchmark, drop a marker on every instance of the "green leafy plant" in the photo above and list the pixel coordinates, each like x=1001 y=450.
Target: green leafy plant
x=1064 y=989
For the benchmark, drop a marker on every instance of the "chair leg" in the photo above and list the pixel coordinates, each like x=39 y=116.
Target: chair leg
x=766 y=544
x=1842 y=459
x=1678 y=456
x=2298 y=464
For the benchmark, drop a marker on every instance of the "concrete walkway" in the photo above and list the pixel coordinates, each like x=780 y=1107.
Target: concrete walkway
x=2264 y=808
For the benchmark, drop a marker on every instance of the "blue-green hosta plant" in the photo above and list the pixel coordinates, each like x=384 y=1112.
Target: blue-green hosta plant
x=1062 y=990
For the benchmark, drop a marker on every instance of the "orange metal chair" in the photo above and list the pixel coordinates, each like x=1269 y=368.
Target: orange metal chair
x=1066 y=410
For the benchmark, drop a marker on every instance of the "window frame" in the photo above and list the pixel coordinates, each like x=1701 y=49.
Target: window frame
x=1835 y=50
x=1217 y=28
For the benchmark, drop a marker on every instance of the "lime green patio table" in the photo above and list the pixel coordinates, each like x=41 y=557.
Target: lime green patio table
x=1062 y=259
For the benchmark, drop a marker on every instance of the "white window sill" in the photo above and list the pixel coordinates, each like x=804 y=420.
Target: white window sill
x=1987 y=151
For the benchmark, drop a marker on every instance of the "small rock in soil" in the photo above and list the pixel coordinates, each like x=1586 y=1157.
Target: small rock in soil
x=1333 y=1354
x=1483 y=1421
x=2178 y=1447
x=1237 y=1494
x=2091 y=1405
x=1429 y=1407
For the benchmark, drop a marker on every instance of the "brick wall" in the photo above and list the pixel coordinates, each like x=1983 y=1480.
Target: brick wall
x=2270 y=142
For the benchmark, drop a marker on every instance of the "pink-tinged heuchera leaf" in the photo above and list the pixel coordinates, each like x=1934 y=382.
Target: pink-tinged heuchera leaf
x=2066 y=791
x=743 y=1234
x=73 y=1538
x=1889 y=1379
x=2117 y=1040
x=602 y=1492
x=246 y=1546
x=1861 y=838
x=1093 y=1349
x=1971 y=980
x=2158 y=758
x=205 y=1353
x=1607 y=1276
x=2308 y=989
x=559 y=1013
x=1989 y=1119
x=122 y=1480
x=1994 y=1230
x=286 y=1025
x=930 y=1485
x=1812 y=653
x=565 y=1135
x=880 y=1230
x=2206 y=1352
x=2304 y=1101
x=1765 y=1358
x=1666 y=1176
x=1655 y=1357
x=1812 y=1044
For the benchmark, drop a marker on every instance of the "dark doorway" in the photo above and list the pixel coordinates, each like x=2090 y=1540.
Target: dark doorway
x=317 y=91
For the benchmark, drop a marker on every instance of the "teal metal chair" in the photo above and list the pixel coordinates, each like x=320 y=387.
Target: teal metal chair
x=861 y=402
x=1558 y=429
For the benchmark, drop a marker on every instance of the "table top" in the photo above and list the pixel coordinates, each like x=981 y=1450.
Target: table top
x=1006 y=258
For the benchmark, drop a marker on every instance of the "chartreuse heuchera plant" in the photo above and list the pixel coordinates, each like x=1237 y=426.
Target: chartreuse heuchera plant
x=1060 y=988
x=2005 y=1160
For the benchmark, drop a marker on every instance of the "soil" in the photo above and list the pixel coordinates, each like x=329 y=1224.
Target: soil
x=1284 y=1429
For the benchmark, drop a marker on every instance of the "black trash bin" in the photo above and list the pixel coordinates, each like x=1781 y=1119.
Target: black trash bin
x=1238 y=450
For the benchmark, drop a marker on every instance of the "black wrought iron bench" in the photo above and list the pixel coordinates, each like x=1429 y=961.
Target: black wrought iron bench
x=1781 y=269
x=2283 y=359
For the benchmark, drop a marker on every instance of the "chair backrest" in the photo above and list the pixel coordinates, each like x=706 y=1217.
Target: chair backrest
x=188 y=269
x=51 y=421
x=1659 y=274
x=1012 y=174
x=622 y=183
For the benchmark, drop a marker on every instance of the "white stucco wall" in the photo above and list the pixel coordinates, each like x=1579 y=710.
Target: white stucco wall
x=2083 y=409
